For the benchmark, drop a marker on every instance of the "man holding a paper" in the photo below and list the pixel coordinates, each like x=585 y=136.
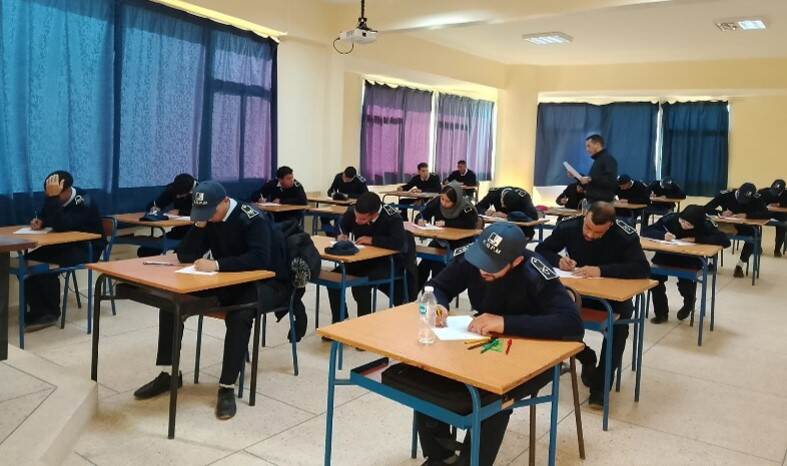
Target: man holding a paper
x=601 y=182
x=240 y=238
x=516 y=293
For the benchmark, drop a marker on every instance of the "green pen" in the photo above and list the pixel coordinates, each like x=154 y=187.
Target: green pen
x=489 y=346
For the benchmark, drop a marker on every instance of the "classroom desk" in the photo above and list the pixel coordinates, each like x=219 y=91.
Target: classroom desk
x=161 y=242
x=7 y=246
x=23 y=269
x=703 y=252
x=605 y=290
x=443 y=236
x=778 y=210
x=628 y=205
x=659 y=210
x=757 y=238
x=332 y=212
x=409 y=195
x=275 y=208
x=317 y=200
x=562 y=212
x=393 y=334
x=533 y=223
x=153 y=284
x=667 y=200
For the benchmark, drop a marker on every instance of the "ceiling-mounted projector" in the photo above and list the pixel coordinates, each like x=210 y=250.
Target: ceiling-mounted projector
x=362 y=34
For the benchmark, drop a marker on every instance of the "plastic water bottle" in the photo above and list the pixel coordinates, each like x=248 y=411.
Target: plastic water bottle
x=427 y=304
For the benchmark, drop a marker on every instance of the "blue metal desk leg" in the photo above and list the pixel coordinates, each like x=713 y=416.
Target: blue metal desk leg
x=553 y=416
x=703 y=299
x=21 y=272
x=713 y=291
x=645 y=303
x=391 y=286
x=607 y=363
x=635 y=337
x=475 y=430
x=342 y=308
x=329 y=412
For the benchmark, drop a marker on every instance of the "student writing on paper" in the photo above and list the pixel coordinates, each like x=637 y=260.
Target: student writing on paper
x=463 y=176
x=176 y=195
x=423 y=182
x=598 y=245
x=66 y=208
x=517 y=294
x=571 y=197
x=285 y=189
x=511 y=203
x=689 y=225
x=666 y=187
x=450 y=209
x=776 y=196
x=240 y=238
x=346 y=185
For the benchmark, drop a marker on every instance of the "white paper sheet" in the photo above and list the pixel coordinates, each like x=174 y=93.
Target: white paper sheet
x=180 y=217
x=428 y=227
x=190 y=270
x=268 y=204
x=30 y=231
x=674 y=242
x=564 y=274
x=456 y=329
x=572 y=170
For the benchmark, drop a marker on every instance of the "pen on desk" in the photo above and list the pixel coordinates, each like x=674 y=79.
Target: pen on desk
x=508 y=345
x=482 y=343
x=158 y=263
x=489 y=346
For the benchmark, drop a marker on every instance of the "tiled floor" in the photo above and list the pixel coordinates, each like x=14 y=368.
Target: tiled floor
x=723 y=403
x=20 y=396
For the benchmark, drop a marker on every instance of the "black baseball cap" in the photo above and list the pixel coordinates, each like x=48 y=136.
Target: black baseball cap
x=693 y=214
x=496 y=247
x=666 y=181
x=778 y=187
x=204 y=200
x=624 y=179
x=745 y=193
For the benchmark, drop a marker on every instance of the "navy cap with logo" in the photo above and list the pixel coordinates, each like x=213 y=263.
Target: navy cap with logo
x=496 y=247
x=666 y=182
x=623 y=179
x=778 y=187
x=205 y=198
x=745 y=193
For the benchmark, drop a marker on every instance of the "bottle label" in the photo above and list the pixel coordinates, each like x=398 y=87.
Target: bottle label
x=422 y=309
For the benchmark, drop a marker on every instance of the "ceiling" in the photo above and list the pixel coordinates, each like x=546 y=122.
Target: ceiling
x=604 y=31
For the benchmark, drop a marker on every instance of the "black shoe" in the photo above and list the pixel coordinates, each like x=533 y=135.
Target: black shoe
x=225 y=403
x=588 y=372
x=685 y=311
x=157 y=386
x=34 y=324
x=777 y=253
x=738 y=272
x=451 y=460
x=596 y=401
x=660 y=319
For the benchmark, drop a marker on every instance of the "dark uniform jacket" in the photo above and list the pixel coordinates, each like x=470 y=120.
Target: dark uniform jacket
x=768 y=197
x=468 y=179
x=248 y=240
x=431 y=185
x=294 y=195
x=572 y=197
x=603 y=178
x=726 y=200
x=531 y=299
x=386 y=232
x=467 y=220
x=707 y=233
x=672 y=191
x=618 y=253
x=80 y=214
x=180 y=202
x=523 y=203
x=638 y=193
x=353 y=189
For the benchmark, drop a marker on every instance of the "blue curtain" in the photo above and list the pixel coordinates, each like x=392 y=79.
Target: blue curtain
x=125 y=94
x=464 y=132
x=629 y=129
x=695 y=146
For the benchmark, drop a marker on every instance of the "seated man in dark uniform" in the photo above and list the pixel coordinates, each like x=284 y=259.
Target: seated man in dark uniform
x=178 y=196
x=515 y=293
x=631 y=192
x=285 y=189
x=572 y=196
x=665 y=188
x=239 y=238
x=776 y=196
x=506 y=201
x=598 y=245
x=423 y=182
x=66 y=208
x=372 y=224
x=346 y=185
x=463 y=176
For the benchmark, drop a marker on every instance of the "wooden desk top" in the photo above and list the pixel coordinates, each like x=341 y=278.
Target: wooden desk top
x=164 y=277
x=366 y=253
x=394 y=333
x=666 y=200
x=444 y=233
x=740 y=221
x=408 y=194
x=699 y=250
x=628 y=205
x=51 y=238
x=612 y=289
x=781 y=210
x=491 y=219
x=9 y=244
x=562 y=212
x=328 y=200
x=134 y=219
x=276 y=208
x=328 y=210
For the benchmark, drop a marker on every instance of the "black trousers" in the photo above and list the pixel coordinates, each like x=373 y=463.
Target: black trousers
x=175 y=233
x=437 y=442
x=620 y=333
x=374 y=270
x=781 y=231
x=42 y=292
x=425 y=268
x=406 y=202
x=686 y=288
x=238 y=323
x=748 y=248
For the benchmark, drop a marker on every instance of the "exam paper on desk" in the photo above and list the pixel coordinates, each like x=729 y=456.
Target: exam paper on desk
x=456 y=329
x=190 y=270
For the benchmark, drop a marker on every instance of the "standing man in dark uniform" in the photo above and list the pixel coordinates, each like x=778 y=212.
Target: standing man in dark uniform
x=463 y=176
x=571 y=197
x=631 y=192
x=598 y=245
x=423 y=182
x=177 y=195
x=516 y=294
x=372 y=224
x=285 y=189
x=66 y=208
x=776 y=196
x=506 y=201
x=240 y=238
x=689 y=225
x=743 y=202
x=601 y=182
x=451 y=209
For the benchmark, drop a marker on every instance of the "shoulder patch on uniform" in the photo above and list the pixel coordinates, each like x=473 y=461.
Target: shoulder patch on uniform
x=546 y=271
x=628 y=229
x=361 y=179
x=79 y=200
x=468 y=209
x=390 y=210
x=250 y=211
x=521 y=192
x=462 y=249
x=724 y=191
x=296 y=183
